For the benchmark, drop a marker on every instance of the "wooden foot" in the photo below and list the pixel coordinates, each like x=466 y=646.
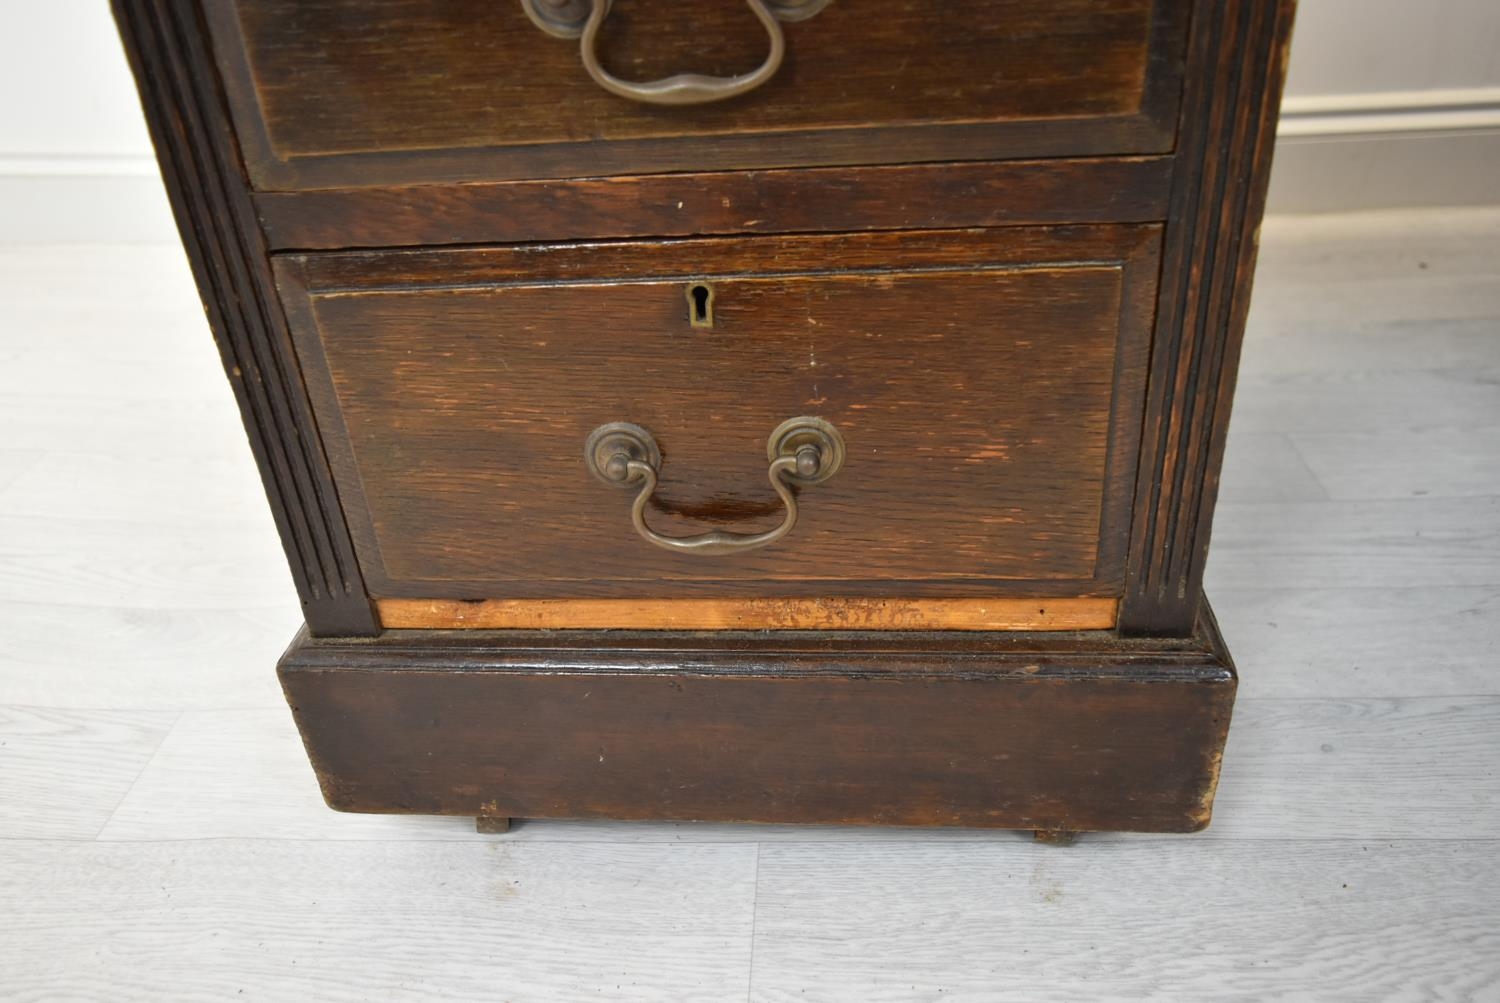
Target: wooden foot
x=492 y=824
x=1055 y=837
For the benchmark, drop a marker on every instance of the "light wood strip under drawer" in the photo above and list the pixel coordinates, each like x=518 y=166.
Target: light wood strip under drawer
x=750 y=614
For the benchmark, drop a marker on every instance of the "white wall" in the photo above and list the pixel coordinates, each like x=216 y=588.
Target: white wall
x=75 y=160
x=1364 y=46
x=1390 y=102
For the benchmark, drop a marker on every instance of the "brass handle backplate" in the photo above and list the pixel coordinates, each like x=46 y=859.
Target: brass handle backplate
x=801 y=451
x=582 y=19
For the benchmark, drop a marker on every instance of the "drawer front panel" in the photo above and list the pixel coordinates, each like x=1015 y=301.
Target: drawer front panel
x=338 y=93
x=988 y=386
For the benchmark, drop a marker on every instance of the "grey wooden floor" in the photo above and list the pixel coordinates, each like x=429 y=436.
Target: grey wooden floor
x=163 y=838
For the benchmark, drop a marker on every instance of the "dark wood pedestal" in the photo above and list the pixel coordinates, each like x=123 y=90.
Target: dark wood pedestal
x=914 y=357
x=1049 y=731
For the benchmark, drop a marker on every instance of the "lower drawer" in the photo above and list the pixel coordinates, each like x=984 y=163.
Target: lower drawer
x=983 y=389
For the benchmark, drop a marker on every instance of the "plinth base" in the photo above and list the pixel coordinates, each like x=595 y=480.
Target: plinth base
x=1057 y=732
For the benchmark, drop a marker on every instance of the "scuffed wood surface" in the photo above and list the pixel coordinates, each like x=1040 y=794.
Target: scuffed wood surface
x=751 y=614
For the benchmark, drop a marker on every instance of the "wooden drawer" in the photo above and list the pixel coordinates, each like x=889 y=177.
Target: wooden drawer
x=341 y=93
x=987 y=384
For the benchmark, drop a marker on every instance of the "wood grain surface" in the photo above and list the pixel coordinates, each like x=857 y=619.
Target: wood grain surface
x=999 y=465
x=335 y=93
x=62 y=771
x=996 y=920
x=1237 y=62
x=750 y=614
x=281 y=920
x=1100 y=927
x=1342 y=544
x=808 y=200
x=1067 y=731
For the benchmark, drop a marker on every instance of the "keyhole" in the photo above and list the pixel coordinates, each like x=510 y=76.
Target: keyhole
x=700 y=296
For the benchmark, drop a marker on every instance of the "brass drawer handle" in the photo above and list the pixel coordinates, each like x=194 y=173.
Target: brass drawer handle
x=801 y=450
x=583 y=19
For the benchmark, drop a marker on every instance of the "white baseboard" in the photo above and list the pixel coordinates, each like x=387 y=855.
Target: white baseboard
x=1335 y=153
x=1340 y=153
x=81 y=199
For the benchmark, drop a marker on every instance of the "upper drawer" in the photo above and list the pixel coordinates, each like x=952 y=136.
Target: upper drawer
x=338 y=93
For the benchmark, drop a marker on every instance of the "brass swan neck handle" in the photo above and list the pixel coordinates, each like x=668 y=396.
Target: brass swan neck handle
x=801 y=451
x=583 y=19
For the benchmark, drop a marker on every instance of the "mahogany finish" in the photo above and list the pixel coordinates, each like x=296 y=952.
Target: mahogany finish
x=1016 y=236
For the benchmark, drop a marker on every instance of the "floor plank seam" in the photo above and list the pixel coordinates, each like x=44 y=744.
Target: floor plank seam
x=1291 y=442
x=1020 y=839
x=754 y=916
x=1241 y=700
x=176 y=720
x=1307 y=589
x=168 y=610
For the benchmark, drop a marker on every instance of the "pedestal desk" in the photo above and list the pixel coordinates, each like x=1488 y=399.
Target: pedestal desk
x=756 y=410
